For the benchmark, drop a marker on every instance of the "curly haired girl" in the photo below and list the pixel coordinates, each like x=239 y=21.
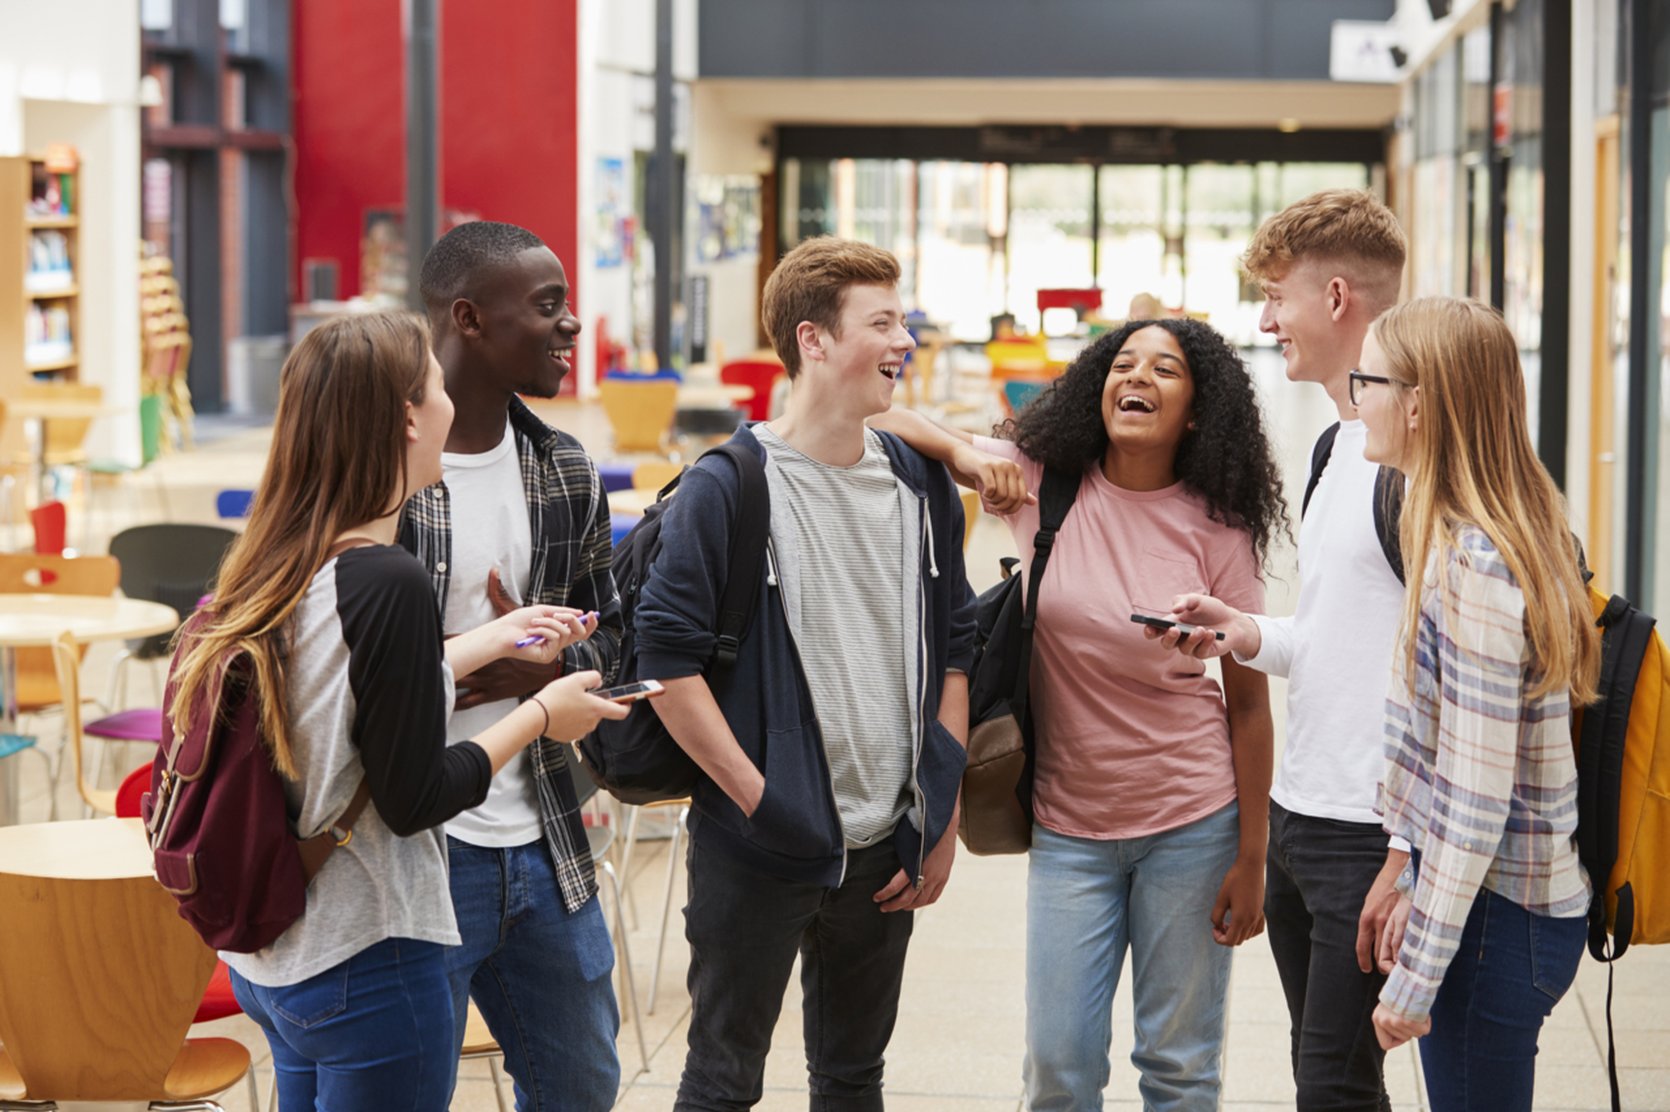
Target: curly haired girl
x=1152 y=783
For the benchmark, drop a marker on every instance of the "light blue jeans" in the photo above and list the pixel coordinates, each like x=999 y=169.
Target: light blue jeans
x=1087 y=902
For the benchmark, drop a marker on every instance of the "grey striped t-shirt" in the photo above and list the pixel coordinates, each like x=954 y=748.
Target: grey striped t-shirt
x=849 y=537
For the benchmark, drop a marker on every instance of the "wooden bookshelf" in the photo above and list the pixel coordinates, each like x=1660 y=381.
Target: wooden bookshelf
x=40 y=278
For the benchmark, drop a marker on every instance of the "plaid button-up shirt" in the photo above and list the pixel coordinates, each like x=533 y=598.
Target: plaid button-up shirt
x=570 y=567
x=1480 y=777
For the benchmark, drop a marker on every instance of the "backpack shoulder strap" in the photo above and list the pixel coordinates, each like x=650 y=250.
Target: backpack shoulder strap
x=1388 y=518
x=750 y=533
x=1626 y=635
x=1055 y=499
x=1319 y=453
x=316 y=850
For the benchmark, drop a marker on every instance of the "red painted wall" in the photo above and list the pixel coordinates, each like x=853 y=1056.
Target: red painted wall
x=509 y=120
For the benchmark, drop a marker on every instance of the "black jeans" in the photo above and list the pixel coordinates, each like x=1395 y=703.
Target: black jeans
x=1316 y=876
x=745 y=929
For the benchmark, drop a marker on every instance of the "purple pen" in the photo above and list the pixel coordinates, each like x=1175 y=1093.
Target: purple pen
x=585 y=619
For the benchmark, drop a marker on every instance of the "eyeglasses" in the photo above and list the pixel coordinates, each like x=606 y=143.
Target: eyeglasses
x=1357 y=378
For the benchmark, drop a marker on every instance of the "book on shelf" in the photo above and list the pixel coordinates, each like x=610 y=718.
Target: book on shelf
x=49 y=263
x=51 y=193
x=46 y=335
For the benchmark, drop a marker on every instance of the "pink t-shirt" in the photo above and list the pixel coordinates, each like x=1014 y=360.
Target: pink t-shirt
x=1133 y=739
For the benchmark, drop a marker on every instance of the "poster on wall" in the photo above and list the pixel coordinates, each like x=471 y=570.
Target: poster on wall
x=614 y=210
x=726 y=218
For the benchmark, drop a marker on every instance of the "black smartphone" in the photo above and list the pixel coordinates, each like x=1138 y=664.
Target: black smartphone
x=1167 y=623
x=629 y=692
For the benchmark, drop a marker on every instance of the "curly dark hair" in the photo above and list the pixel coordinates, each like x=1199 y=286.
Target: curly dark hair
x=1226 y=459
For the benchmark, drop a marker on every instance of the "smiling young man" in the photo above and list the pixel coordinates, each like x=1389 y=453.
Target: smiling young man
x=1329 y=265
x=519 y=517
x=829 y=807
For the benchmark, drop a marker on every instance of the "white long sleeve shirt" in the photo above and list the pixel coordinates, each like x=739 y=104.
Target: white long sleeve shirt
x=1336 y=649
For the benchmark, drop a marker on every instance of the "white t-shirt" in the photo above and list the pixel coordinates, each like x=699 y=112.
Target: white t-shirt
x=490 y=529
x=1336 y=649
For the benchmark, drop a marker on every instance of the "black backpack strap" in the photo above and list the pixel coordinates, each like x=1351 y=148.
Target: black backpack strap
x=1319 y=453
x=1388 y=517
x=750 y=533
x=1055 y=498
x=1626 y=634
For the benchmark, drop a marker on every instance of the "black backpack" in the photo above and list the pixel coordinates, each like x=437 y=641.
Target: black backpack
x=635 y=759
x=1388 y=498
x=997 y=783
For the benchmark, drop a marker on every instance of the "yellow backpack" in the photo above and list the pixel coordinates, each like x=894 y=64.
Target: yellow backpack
x=1623 y=792
x=1623 y=782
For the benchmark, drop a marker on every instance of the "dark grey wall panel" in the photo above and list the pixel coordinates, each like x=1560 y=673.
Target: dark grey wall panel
x=1230 y=39
x=1048 y=143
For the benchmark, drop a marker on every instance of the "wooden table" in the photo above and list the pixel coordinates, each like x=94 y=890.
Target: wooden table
x=99 y=975
x=79 y=849
x=36 y=620
x=632 y=501
x=42 y=411
x=713 y=397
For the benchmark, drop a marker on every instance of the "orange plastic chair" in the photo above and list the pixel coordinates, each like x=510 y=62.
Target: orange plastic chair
x=37 y=678
x=758 y=374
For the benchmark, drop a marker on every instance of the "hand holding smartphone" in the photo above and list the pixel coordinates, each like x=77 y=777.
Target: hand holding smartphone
x=629 y=692
x=1168 y=623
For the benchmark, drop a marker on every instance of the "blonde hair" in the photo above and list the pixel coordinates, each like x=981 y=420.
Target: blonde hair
x=1470 y=461
x=337 y=461
x=810 y=284
x=1345 y=226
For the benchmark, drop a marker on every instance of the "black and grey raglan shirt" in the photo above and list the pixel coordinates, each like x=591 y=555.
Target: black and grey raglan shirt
x=569 y=516
x=368 y=692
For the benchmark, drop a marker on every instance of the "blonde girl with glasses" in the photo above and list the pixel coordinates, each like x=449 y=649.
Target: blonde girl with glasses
x=1497 y=647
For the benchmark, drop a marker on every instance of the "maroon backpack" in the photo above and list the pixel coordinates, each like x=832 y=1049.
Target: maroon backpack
x=219 y=826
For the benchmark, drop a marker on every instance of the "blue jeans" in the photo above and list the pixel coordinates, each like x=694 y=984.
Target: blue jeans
x=1511 y=969
x=1087 y=901
x=371 y=1033
x=539 y=975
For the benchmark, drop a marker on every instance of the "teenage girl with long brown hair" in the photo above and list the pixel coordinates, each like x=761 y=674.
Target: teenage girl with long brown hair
x=355 y=683
x=1498 y=645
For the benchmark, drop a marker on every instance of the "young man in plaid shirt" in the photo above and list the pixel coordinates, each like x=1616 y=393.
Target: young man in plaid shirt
x=520 y=517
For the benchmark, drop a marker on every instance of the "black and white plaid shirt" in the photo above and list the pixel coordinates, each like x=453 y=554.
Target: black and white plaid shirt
x=570 y=567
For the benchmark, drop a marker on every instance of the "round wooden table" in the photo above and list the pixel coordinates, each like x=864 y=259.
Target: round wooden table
x=36 y=620
x=99 y=975
x=77 y=849
x=718 y=396
x=633 y=501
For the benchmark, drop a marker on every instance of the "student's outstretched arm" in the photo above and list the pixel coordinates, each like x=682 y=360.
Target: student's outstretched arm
x=1001 y=484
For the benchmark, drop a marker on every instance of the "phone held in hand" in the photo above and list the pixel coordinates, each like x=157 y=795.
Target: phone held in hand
x=629 y=692
x=1168 y=623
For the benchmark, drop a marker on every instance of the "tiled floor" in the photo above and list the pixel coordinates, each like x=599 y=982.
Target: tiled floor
x=958 y=1043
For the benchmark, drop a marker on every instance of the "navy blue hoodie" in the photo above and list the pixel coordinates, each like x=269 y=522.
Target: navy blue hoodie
x=795 y=832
